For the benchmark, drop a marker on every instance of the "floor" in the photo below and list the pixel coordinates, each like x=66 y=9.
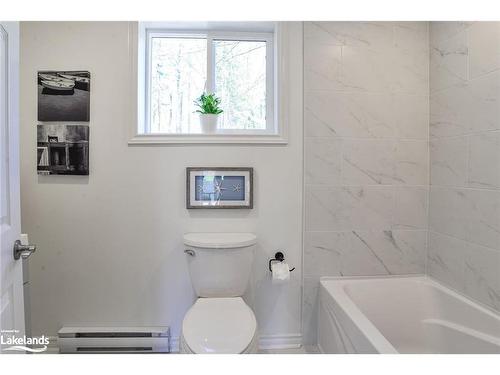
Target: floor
x=307 y=349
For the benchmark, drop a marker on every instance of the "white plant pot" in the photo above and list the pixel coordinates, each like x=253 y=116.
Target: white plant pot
x=208 y=123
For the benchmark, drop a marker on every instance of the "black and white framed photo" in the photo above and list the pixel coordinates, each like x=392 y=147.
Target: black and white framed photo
x=222 y=187
x=63 y=96
x=63 y=149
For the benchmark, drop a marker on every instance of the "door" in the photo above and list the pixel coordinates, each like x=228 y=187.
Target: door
x=11 y=278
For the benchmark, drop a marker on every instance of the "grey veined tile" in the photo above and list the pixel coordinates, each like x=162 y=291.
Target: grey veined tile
x=322 y=67
x=385 y=162
x=411 y=36
x=322 y=252
x=449 y=62
x=369 y=162
x=470 y=107
x=348 y=208
x=411 y=115
x=484 y=44
x=482 y=274
x=409 y=71
x=348 y=114
x=442 y=30
x=450 y=211
x=484 y=160
x=412 y=162
x=446 y=260
x=483 y=224
x=385 y=253
x=323 y=161
x=368 y=70
x=411 y=208
x=448 y=161
x=369 y=35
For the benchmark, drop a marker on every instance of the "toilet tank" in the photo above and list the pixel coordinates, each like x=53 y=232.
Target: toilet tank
x=220 y=263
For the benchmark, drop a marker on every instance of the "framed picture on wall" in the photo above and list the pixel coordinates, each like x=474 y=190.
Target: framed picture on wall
x=63 y=95
x=63 y=149
x=223 y=187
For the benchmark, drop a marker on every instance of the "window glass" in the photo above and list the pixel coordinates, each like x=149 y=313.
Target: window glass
x=240 y=82
x=178 y=76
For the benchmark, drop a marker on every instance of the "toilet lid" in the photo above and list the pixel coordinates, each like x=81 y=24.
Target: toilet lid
x=219 y=325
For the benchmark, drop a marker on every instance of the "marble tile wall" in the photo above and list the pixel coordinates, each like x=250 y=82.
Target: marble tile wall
x=366 y=119
x=464 y=217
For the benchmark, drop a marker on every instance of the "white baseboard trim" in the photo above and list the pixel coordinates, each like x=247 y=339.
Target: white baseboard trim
x=286 y=341
x=174 y=344
x=53 y=347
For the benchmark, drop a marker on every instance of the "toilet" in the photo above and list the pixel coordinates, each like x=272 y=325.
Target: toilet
x=219 y=321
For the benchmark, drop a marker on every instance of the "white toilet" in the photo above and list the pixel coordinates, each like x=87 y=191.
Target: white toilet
x=219 y=321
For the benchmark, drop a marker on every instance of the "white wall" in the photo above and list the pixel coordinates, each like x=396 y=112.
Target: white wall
x=366 y=152
x=464 y=241
x=110 y=245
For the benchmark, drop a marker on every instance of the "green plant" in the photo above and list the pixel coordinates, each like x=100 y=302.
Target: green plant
x=208 y=104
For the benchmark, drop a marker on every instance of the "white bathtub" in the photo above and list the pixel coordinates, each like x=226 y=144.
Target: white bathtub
x=402 y=315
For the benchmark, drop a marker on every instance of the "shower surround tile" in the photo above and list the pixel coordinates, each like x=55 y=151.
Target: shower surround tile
x=441 y=31
x=385 y=253
x=482 y=276
x=483 y=225
x=348 y=114
x=464 y=205
x=385 y=162
x=448 y=161
x=322 y=67
x=411 y=115
x=410 y=211
x=369 y=70
x=323 y=161
x=369 y=108
x=484 y=60
x=410 y=71
x=449 y=211
x=446 y=260
x=411 y=36
x=369 y=35
x=484 y=161
x=322 y=251
x=449 y=62
x=470 y=107
x=347 y=208
x=366 y=115
x=412 y=162
x=369 y=162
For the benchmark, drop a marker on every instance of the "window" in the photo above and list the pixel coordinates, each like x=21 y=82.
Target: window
x=235 y=63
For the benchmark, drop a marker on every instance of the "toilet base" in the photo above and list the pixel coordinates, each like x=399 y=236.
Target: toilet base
x=253 y=348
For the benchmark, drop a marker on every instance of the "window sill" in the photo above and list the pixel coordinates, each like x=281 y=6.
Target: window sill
x=201 y=139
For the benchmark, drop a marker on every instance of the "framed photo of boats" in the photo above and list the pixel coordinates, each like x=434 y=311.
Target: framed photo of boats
x=63 y=96
x=63 y=149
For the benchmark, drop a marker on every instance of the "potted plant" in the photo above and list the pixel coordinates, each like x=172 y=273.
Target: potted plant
x=209 y=111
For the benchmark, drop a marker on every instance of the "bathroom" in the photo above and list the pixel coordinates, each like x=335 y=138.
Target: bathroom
x=374 y=171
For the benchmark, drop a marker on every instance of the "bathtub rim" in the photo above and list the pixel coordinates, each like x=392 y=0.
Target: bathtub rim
x=429 y=279
x=341 y=299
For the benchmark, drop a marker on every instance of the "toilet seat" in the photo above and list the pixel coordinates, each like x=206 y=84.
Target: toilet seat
x=219 y=325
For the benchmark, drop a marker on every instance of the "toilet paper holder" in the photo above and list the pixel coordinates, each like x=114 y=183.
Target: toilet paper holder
x=278 y=257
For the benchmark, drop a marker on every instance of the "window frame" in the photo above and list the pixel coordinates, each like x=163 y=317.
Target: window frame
x=275 y=131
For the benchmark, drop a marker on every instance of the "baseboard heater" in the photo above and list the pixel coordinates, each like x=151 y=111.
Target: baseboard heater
x=114 y=340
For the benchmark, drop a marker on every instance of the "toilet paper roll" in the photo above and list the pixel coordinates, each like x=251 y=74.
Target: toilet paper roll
x=280 y=271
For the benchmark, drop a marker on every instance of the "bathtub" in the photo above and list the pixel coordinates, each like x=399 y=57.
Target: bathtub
x=400 y=314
